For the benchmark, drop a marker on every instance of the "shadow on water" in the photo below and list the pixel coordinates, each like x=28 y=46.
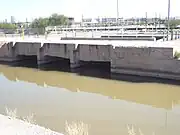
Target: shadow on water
x=51 y=66
x=56 y=64
x=94 y=69
x=143 y=79
x=24 y=61
x=98 y=70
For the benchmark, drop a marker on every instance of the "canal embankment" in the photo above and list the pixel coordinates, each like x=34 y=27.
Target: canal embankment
x=13 y=126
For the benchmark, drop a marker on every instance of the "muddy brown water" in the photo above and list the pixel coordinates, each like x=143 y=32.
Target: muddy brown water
x=107 y=106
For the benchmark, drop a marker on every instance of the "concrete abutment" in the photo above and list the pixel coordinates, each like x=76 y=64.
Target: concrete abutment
x=53 y=52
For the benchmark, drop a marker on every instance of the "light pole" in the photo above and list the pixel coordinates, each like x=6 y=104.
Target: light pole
x=117 y=11
x=146 y=21
x=168 y=27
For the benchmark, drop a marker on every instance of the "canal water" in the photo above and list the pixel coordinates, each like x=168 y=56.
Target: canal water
x=107 y=106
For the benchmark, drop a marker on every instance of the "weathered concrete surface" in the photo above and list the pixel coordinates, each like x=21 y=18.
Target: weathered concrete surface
x=7 y=51
x=137 y=58
x=65 y=51
x=10 y=126
x=156 y=62
x=98 y=53
x=26 y=48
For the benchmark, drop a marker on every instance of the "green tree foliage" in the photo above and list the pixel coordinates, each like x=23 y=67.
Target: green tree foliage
x=177 y=55
x=7 y=26
x=53 y=20
x=173 y=23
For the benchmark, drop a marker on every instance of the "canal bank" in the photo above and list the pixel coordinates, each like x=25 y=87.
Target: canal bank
x=12 y=126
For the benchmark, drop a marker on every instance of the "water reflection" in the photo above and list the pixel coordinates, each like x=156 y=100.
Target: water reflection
x=159 y=95
x=107 y=105
x=91 y=69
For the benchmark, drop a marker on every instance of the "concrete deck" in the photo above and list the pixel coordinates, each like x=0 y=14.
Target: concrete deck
x=41 y=39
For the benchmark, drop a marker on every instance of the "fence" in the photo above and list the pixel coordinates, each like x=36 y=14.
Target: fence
x=36 y=33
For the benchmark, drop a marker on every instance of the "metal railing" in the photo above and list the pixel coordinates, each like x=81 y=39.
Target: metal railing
x=98 y=34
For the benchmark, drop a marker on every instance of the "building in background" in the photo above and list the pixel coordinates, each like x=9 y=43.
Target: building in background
x=13 y=20
x=5 y=21
x=101 y=21
x=122 y=21
x=71 y=21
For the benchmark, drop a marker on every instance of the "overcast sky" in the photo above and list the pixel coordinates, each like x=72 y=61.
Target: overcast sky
x=23 y=9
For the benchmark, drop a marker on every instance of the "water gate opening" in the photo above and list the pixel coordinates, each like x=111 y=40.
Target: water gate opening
x=55 y=63
x=95 y=69
x=26 y=61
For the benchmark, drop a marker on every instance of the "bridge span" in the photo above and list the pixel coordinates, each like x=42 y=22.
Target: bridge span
x=142 y=58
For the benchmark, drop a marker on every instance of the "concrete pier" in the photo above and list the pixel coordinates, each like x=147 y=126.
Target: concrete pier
x=154 y=59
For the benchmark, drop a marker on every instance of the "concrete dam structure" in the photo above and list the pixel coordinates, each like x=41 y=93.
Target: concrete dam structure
x=141 y=61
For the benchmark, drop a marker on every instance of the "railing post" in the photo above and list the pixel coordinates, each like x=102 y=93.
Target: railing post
x=45 y=35
x=171 y=34
x=167 y=38
x=176 y=35
x=163 y=36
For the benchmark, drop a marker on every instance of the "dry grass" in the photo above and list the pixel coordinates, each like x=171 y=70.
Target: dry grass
x=30 y=119
x=133 y=131
x=79 y=128
x=76 y=128
x=13 y=114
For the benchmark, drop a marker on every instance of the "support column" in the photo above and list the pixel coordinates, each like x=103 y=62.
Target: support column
x=73 y=55
x=41 y=59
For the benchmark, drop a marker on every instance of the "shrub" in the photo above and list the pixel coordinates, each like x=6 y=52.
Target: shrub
x=76 y=128
x=177 y=55
x=13 y=114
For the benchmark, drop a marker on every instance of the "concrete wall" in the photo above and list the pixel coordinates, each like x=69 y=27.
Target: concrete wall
x=66 y=51
x=7 y=51
x=133 y=60
x=97 y=53
x=141 y=53
x=137 y=61
x=26 y=48
x=171 y=66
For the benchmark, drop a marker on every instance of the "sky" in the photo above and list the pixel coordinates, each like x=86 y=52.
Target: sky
x=30 y=9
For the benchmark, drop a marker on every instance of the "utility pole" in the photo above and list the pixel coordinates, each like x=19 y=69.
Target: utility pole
x=156 y=22
x=117 y=12
x=159 y=21
x=146 y=21
x=168 y=28
x=82 y=20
